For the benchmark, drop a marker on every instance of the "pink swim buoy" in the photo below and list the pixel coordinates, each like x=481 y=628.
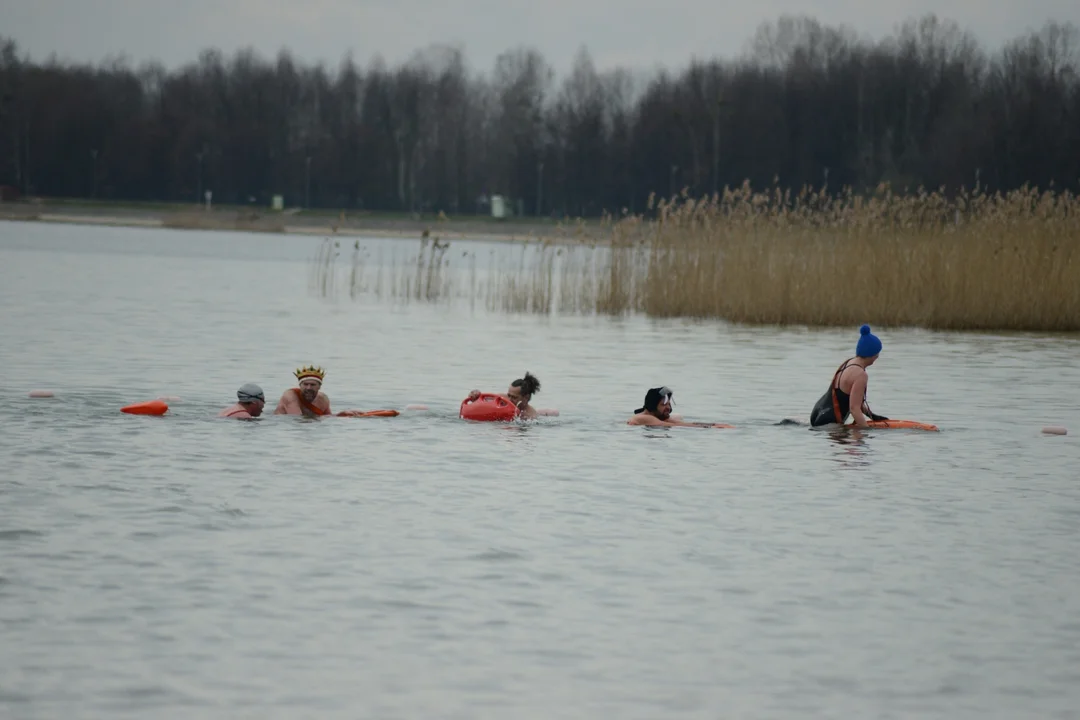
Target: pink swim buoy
x=41 y=393
x=1054 y=430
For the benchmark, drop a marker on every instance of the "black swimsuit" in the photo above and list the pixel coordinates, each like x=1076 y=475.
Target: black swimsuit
x=824 y=412
x=835 y=399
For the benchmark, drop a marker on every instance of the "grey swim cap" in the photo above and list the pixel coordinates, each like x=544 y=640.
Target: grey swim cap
x=250 y=392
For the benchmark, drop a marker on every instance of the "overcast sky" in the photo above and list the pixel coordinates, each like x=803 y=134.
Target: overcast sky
x=630 y=33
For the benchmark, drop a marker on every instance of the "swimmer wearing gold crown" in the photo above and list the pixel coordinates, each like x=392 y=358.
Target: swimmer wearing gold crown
x=305 y=400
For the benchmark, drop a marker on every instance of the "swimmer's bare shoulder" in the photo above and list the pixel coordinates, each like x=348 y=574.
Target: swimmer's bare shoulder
x=285 y=404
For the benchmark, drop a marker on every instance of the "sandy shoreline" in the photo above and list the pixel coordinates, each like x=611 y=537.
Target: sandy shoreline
x=294 y=224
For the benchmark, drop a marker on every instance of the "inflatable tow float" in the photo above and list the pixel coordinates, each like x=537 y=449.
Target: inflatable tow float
x=898 y=425
x=489 y=407
x=368 y=413
x=151 y=407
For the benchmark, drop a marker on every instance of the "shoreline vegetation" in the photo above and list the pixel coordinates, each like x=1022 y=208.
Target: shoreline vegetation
x=971 y=261
x=793 y=174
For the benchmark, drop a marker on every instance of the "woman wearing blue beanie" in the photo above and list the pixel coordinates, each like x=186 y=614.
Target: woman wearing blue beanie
x=847 y=392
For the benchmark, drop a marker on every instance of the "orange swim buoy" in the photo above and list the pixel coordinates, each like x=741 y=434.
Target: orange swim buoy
x=41 y=393
x=489 y=407
x=899 y=425
x=368 y=413
x=151 y=407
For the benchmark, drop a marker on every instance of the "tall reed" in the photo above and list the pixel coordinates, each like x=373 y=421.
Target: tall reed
x=973 y=261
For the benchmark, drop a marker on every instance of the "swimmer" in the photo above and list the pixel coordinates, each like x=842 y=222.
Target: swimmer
x=847 y=391
x=657 y=411
x=520 y=393
x=306 y=400
x=250 y=402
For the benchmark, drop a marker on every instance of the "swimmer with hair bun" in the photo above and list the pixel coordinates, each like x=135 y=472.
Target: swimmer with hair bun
x=520 y=393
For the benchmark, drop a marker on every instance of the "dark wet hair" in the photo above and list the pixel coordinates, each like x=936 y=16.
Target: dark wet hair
x=653 y=398
x=529 y=384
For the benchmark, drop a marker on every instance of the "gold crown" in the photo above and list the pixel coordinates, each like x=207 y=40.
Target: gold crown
x=310 y=372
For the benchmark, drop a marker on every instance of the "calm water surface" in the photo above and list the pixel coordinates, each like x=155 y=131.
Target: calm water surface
x=424 y=567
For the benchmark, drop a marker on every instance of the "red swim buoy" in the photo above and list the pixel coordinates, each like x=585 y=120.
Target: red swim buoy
x=151 y=407
x=41 y=393
x=489 y=407
x=368 y=413
x=899 y=425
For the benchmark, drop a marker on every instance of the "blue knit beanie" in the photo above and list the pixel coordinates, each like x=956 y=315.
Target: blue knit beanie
x=869 y=345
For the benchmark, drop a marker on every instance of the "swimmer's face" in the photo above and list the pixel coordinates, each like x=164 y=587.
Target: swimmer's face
x=871 y=360
x=517 y=397
x=255 y=407
x=309 y=388
x=663 y=408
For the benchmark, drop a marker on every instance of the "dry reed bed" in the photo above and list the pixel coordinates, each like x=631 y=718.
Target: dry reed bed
x=973 y=261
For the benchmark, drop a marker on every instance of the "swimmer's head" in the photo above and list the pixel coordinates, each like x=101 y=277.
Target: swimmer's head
x=522 y=389
x=869 y=346
x=658 y=402
x=252 y=398
x=310 y=379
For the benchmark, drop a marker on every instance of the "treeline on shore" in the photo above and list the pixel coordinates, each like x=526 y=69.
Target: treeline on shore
x=805 y=105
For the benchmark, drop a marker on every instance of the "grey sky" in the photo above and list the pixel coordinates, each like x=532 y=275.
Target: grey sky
x=630 y=33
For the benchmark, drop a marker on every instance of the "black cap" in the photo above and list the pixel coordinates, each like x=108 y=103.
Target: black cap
x=653 y=398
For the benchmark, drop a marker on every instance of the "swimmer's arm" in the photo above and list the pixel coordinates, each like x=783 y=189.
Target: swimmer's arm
x=870 y=413
x=858 y=399
x=653 y=421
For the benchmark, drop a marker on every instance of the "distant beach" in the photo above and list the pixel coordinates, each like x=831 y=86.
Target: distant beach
x=295 y=222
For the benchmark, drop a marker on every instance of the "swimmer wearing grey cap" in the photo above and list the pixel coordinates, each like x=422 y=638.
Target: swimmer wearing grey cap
x=250 y=403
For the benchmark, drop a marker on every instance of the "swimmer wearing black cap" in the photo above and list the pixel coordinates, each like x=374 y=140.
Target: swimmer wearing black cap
x=657 y=411
x=250 y=402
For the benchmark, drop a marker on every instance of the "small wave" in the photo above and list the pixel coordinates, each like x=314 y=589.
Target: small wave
x=496 y=555
x=103 y=486
x=17 y=534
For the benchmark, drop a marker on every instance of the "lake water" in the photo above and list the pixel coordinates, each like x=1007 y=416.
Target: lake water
x=425 y=567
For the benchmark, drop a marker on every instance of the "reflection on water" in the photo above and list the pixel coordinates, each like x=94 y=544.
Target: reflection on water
x=422 y=566
x=852 y=452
